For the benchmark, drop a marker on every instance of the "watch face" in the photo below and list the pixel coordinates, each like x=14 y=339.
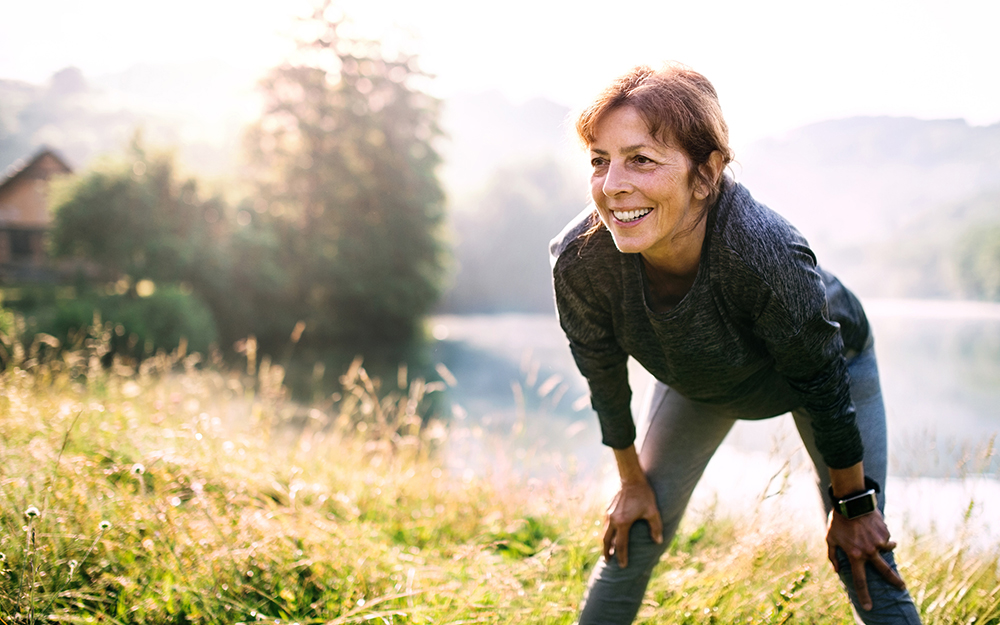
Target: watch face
x=858 y=506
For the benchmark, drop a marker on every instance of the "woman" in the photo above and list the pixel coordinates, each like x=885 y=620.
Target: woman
x=722 y=301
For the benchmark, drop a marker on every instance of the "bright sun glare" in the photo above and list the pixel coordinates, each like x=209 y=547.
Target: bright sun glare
x=777 y=64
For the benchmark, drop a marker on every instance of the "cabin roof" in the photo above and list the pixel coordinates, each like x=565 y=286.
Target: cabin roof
x=21 y=169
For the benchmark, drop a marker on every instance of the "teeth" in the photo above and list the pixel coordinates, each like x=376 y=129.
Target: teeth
x=631 y=215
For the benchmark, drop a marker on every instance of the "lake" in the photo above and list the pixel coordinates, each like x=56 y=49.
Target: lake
x=520 y=410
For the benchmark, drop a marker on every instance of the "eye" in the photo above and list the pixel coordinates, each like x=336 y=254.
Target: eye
x=642 y=160
x=598 y=161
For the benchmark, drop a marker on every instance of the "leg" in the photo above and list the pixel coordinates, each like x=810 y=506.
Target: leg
x=890 y=605
x=680 y=440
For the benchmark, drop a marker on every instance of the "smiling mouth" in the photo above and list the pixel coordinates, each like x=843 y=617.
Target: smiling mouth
x=627 y=216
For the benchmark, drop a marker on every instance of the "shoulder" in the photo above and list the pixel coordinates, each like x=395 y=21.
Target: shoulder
x=573 y=247
x=759 y=236
x=760 y=261
x=586 y=266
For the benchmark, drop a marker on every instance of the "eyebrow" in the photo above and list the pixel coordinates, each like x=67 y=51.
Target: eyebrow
x=626 y=150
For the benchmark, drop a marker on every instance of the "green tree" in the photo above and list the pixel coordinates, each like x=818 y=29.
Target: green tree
x=134 y=219
x=345 y=166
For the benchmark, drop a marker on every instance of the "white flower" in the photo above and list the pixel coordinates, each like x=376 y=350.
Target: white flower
x=31 y=512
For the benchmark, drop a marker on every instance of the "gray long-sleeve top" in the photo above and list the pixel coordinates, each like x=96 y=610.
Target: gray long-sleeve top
x=762 y=328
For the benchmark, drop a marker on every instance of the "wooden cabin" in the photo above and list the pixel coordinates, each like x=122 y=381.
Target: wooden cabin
x=25 y=217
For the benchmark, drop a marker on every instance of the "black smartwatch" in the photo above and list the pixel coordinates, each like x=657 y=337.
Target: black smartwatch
x=859 y=503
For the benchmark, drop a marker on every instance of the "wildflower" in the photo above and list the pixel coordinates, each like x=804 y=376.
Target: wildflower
x=31 y=512
x=3 y=557
x=72 y=565
x=105 y=525
x=138 y=469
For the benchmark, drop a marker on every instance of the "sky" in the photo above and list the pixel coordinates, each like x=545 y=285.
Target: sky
x=777 y=64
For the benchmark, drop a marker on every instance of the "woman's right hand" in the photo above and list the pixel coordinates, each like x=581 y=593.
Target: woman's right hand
x=633 y=502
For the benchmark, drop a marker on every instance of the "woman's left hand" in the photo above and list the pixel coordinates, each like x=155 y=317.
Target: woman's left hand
x=863 y=539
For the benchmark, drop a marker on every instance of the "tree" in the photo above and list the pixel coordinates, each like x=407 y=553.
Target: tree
x=133 y=218
x=345 y=167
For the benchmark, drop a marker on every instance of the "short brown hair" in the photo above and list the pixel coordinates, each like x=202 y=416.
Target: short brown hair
x=680 y=108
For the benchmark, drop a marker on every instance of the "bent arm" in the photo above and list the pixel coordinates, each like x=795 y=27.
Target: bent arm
x=635 y=501
x=587 y=320
x=863 y=539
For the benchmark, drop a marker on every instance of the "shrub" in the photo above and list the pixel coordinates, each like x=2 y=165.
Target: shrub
x=135 y=326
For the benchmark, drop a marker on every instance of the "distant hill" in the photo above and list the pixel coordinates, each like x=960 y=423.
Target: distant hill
x=870 y=192
x=485 y=131
x=514 y=177
x=861 y=179
x=197 y=109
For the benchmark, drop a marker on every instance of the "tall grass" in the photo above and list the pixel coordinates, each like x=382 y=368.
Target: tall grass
x=180 y=491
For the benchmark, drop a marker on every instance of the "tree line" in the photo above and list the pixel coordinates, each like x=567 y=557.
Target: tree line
x=337 y=238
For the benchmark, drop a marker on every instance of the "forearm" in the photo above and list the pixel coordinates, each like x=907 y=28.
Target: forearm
x=629 y=469
x=847 y=481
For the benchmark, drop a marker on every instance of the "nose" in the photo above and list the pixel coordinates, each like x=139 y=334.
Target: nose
x=615 y=180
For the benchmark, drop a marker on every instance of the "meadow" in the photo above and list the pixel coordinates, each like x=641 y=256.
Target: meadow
x=184 y=490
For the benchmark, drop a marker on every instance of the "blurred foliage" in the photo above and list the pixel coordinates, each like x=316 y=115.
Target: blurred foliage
x=133 y=217
x=979 y=263
x=139 y=325
x=951 y=251
x=341 y=240
x=345 y=168
x=128 y=325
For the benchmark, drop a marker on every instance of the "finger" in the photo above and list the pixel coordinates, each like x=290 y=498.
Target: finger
x=889 y=546
x=609 y=535
x=888 y=573
x=656 y=527
x=861 y=583
x=621 y=547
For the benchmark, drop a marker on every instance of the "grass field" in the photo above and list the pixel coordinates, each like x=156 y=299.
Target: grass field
x=181 y=491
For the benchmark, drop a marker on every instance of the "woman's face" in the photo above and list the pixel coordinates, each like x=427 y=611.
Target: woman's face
x=642 y=188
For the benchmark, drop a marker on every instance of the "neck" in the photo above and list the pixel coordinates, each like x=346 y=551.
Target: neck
x=680 y=258
x=669 y=277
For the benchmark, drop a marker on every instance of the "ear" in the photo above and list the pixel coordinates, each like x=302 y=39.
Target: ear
x=711 y=170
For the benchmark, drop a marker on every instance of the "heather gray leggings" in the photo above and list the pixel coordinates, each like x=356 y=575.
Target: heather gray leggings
x=681 y=438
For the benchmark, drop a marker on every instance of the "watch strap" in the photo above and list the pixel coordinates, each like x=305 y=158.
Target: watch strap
x=858 y=503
